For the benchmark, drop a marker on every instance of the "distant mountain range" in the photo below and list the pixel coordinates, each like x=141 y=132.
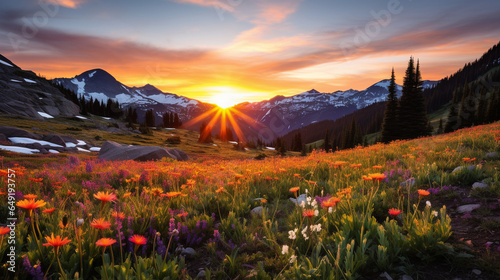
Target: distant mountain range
x=276 y=117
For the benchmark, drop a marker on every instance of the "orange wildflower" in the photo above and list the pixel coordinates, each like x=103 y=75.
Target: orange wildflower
x=263 y=200
x=294 y=189
x=171 y=194
x=49 y=211
x=423 y=192
x=4 y=230
x=219 y=190
x=156 y=191
x=105 y=242
x=377 y=176
x=56 y=241
x=394 y=212
x=118 y=215
x=296 y=175
x=100 y=224
x=30 y=196
x=330 y=202
x=138 y=239
x=127 y=194
x=30 y=204
x=105 y=197
x=183 y=214
x=367 y=178
x=355 y=165
x=238 y=175
x=37 y=180
x=377 y=167
x=308 y=213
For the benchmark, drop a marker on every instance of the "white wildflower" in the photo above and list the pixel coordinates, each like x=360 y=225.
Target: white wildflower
x=316 y=213
x=304 y=233
x=435 y=213
x=330 y=210
x=314 y=203
x=309 y=200
x=292 y=234
x=284 y=250
x=293 y=258
x=303 y=204
x=428 y=203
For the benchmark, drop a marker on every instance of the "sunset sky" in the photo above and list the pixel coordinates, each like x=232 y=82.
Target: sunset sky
x=247 y=50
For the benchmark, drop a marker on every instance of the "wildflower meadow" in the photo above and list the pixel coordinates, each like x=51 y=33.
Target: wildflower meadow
x=352 y=214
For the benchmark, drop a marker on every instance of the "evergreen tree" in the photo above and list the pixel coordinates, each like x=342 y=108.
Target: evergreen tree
x=482 y=106
x=134 y=116
x=452 y=121
x=150 y=118
x=326 y=142
x=467 y=109
x=166 y=119
x=390 y=128
x=440 y=128
x=176 y=122
x=413 y=119
x=304 y=151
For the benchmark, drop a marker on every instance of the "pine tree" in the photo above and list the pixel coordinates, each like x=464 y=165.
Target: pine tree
x=467 y=107
x=166 y=119
x=150 y=118
x=176 y=123
x=134 y=116
x=390 y=128
x=440 y=128
x=326 y=142
x=452 y=121
x=482 y=106
x=413 y=118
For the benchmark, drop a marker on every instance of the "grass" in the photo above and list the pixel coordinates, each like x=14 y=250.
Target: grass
x=236 y=214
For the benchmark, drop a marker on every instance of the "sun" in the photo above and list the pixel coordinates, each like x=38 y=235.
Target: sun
x=224 y=99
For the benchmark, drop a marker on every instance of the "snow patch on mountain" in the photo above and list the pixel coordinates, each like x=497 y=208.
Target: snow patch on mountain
x=5 y=63
x=80 y=85
x=92 y=74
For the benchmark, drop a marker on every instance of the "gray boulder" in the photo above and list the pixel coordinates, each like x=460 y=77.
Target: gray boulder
x=468 y=208
x=3 y=138
x=17 y=132
x=69 y=139
x=54 y=138
x=492 y=155
x=114 y=151
x=479 y=185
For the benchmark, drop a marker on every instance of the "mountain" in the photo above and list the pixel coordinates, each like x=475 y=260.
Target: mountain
x=284 y=114
x=99 y=84
x=25 y=94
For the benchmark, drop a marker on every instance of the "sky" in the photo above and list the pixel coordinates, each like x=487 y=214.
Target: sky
x=247 y=50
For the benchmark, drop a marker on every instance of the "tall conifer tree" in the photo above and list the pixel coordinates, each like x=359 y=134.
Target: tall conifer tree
x=390 y=128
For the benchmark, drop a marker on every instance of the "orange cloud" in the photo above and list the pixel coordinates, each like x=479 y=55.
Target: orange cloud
x=73 y=4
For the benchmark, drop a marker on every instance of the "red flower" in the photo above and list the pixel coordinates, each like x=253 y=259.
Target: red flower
x=105 y=197
x=4 y=230
x=56 y=241
x=100 y=224
x=423 y=192
x=49 y=211
x=105 y=242
x=394 y=212
x=308 y=213
x=138 y=239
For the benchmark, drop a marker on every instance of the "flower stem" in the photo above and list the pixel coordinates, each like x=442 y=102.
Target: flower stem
x=104 y=264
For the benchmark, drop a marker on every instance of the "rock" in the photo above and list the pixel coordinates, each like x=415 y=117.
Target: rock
x=386 y=275
x=3 y=138
x=17 y=132
x=458 y=169
x=69 y=139
x=468 y=208
x=479 y=185
x=54 y=138
x=472 y=167
x=114 y=151
x=405 y=277
x=201 y=274
x=113 y=130
x=257 y=211
x=476 y=271
x=408 y=183
x=188 y=251
x=491 y=155
x=299 y=199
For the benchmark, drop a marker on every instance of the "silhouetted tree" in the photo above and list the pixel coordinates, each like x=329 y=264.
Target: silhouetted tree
x=150 y=118
x=390 y=125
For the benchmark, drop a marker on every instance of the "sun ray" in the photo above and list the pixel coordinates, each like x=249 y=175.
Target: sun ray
x=236 y=127
x=200 y=117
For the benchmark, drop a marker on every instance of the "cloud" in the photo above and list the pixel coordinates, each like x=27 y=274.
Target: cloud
x=73 y=4
x=214 y=3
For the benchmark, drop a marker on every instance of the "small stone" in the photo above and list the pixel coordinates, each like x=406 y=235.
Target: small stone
x=406 y=277
x=458 y=169
x=201 y=274
x=476 y=271
x=257 y=211
x=299 y=199
x=386 y=275
x=472 y=167
x=492 y=155
x=467 y=208
x=188 y=251
x=479 y=185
